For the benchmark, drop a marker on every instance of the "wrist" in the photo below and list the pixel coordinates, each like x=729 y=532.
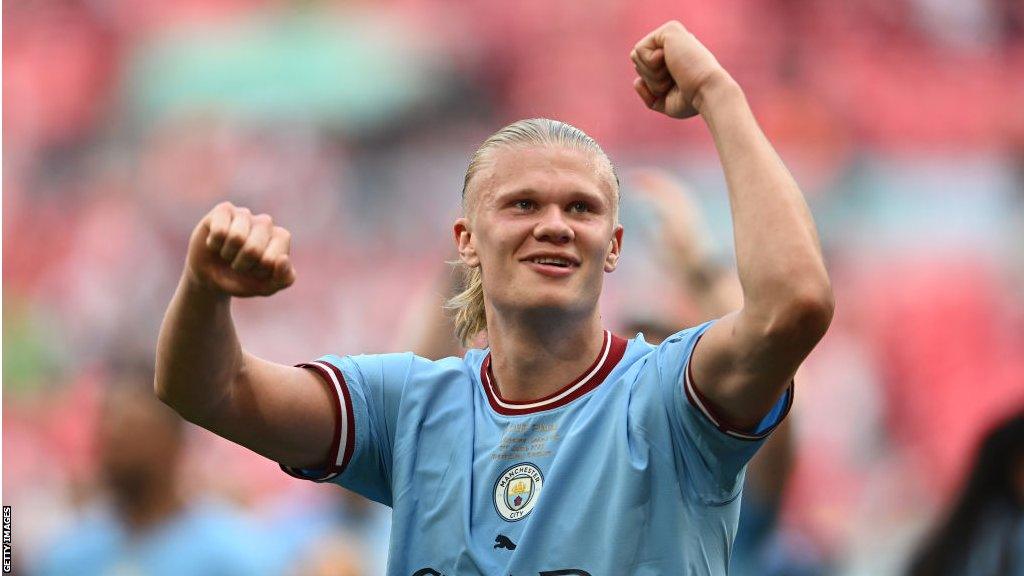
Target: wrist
x=198 y=290
x=719 y=89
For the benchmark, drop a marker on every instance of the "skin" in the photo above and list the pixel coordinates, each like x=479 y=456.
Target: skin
x=544 y=326
x=140 y=470
x=745 y=360
x=547 y=333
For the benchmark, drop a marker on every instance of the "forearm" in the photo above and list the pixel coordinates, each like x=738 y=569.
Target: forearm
x=198 y=352
x=777 y=249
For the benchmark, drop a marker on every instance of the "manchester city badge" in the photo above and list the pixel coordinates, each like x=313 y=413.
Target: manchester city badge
x=516 y=491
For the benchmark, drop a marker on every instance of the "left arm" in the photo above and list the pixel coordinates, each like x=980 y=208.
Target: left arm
x=745 y=361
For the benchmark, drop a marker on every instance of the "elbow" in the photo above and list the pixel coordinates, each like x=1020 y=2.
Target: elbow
x=816 y=312
x=163 y=388
x=163 y=394
x=188 y=411
x=160 y=390
x=806 y=315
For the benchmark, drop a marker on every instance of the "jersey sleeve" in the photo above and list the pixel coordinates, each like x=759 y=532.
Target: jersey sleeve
x=366 y=391
x=713 y=452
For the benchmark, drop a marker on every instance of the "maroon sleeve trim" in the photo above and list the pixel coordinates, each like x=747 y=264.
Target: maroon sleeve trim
x=705 y=407
x=343 y=444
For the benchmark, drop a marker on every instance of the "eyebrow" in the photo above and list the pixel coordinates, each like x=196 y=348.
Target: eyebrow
x=575 y=193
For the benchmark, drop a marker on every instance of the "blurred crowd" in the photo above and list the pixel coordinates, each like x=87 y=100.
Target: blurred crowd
x=352 y=124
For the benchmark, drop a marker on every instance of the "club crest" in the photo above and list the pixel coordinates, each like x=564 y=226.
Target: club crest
x=516 y=491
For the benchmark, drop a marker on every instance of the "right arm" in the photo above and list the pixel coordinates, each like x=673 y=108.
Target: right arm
x=202 y=372
x=716 y=292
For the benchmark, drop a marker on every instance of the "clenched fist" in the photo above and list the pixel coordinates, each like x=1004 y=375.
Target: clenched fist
x=674 y=70
x=233 y=252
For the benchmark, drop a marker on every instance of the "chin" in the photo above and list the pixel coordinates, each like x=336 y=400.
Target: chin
x=551 y=301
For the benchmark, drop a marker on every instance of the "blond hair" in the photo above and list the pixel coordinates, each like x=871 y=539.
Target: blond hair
x=468 y=305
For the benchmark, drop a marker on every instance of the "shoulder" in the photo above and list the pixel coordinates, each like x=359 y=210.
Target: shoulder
x=686 y=336
x=406 y=361
x=474 y=358
x=676 y=349
x=406 y=369
x=658 y=369
x=678 y=346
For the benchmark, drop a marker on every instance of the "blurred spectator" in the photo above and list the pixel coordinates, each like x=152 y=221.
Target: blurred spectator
x=333 y=555
x=148 y=526
x=983 y=535
x=330 y=531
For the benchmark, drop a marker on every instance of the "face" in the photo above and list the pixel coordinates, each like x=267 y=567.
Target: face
x=541 y=225
x=137 y=443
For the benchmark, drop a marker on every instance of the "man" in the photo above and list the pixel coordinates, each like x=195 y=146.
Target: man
x=150 y=526
x=562 y=449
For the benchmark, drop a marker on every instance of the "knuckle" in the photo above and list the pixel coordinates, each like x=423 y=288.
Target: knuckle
x=262 y=218
x=234 y=240
x=250 y=253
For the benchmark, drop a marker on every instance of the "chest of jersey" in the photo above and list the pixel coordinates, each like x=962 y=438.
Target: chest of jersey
x=572 y=490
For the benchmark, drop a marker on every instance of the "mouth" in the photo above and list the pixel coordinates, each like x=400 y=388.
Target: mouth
x=556 y=266
x=552 y=261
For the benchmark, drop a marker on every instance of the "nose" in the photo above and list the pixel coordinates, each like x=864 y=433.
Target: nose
x=552 y=227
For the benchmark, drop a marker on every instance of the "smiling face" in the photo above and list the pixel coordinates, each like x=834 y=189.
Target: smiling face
x=541 y=223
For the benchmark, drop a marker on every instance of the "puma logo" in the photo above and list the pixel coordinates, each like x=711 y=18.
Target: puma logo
x=502 y=541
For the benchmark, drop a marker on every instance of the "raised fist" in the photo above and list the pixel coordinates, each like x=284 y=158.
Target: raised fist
x=674 y=68
x=235 y=253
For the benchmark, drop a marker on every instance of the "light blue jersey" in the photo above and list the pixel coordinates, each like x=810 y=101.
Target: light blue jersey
x=623 y=471
x=203 y=539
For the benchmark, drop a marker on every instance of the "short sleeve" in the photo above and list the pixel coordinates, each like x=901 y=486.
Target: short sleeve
x=714 y=453
x=367 y=391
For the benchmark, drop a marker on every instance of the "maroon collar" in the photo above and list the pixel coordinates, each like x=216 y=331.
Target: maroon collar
x=611 y=352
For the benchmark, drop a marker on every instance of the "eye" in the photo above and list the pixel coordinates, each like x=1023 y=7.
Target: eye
x=524 y=205
x=579 y=207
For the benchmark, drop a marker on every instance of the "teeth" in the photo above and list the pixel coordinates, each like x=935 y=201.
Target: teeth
x=554 y=261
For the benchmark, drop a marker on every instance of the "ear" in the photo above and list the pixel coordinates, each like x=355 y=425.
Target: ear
x=464 y=243
x=612 y=259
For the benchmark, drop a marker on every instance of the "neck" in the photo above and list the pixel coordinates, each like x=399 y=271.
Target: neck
x=535 y=355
